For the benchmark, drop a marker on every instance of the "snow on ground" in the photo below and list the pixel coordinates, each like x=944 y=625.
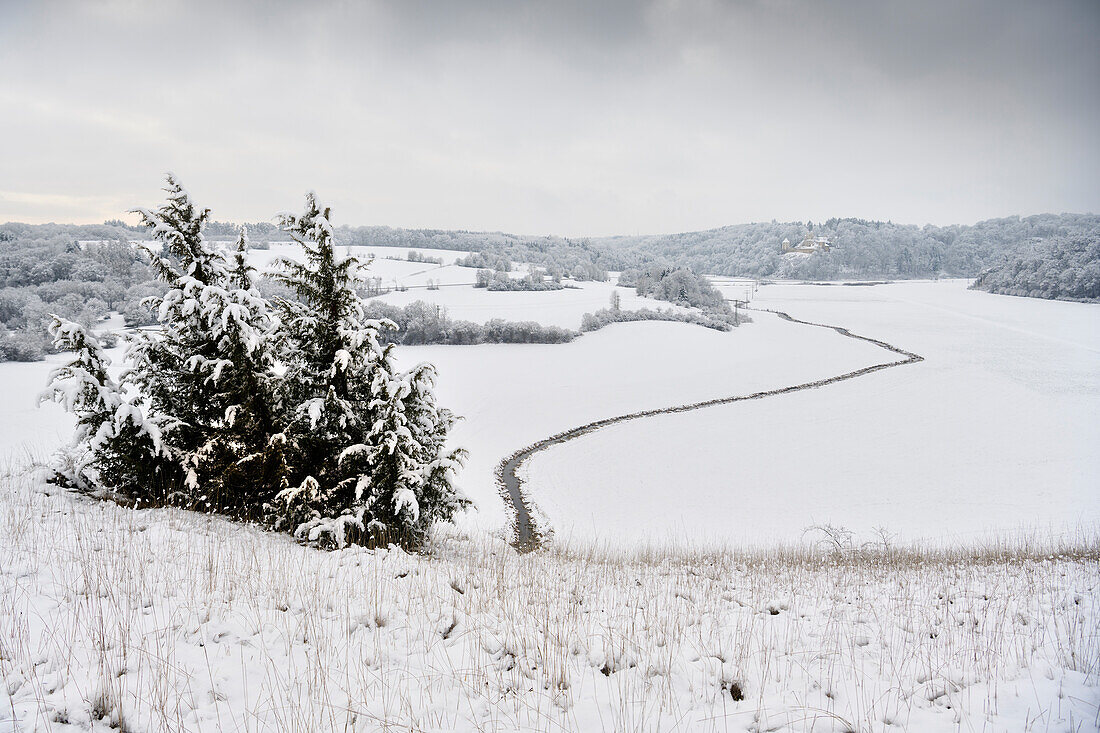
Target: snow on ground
x=31 y=433
x=389 y=263
x=379 y=253
x=513 y=395
x=418 y=275
x=549 y=307
x=553 y=307
x=157 y=620
x=263 y=259
x=995 y=432
x=153 y=620
x=26 y=431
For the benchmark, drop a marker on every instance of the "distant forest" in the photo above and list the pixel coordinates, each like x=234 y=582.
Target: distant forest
x=43 y=271
x=1066 y=268
x=863 y=249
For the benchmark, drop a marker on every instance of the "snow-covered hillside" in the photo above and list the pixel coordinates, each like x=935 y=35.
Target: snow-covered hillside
x=153 y=620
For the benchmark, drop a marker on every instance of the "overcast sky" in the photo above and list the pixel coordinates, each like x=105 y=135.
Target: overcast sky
x=573 y=118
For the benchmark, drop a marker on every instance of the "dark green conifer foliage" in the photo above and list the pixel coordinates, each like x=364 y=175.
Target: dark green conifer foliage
x=208 y=373
x=368 y=441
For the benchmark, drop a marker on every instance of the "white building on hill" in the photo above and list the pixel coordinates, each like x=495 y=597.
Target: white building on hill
x=809 y=245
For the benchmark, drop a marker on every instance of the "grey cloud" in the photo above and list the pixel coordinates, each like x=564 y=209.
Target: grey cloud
x=571 y=117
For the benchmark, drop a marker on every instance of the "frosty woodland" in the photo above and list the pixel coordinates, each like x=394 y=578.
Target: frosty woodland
x=289 y=412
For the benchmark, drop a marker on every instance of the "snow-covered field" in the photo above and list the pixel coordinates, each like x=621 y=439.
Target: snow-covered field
x=551 y=307
x=27 y=432
x=263 y=259
x=154 y=620
x=389 y=263
x=996 y=431
x=165 y=620
x=512 y=396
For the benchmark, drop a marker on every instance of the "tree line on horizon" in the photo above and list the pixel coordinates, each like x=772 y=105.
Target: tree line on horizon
x=864 y=248
x=44 y=268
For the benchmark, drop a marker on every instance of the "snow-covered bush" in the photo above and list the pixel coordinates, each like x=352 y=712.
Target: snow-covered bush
x=20 y=345
x=605 y=316
x=534 y=280
x=293 y=414
x=675 y=285
x=485 y=261
x=420 y=322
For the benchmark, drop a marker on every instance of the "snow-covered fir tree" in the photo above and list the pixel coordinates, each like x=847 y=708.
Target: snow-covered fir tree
x=242 y=462
x=115 y=449
x=208 y=373
x=406 y=474
x=242 y=274
x=368 y=443
x=294 y=414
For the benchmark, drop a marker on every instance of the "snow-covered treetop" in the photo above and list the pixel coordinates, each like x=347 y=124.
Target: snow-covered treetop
x=313 y=224
x=241 y=275
x=179 y=225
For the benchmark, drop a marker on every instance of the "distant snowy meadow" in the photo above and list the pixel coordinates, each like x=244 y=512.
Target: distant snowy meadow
x=995 y=432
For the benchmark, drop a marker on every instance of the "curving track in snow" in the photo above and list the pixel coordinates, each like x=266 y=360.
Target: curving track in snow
x=528 y=534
